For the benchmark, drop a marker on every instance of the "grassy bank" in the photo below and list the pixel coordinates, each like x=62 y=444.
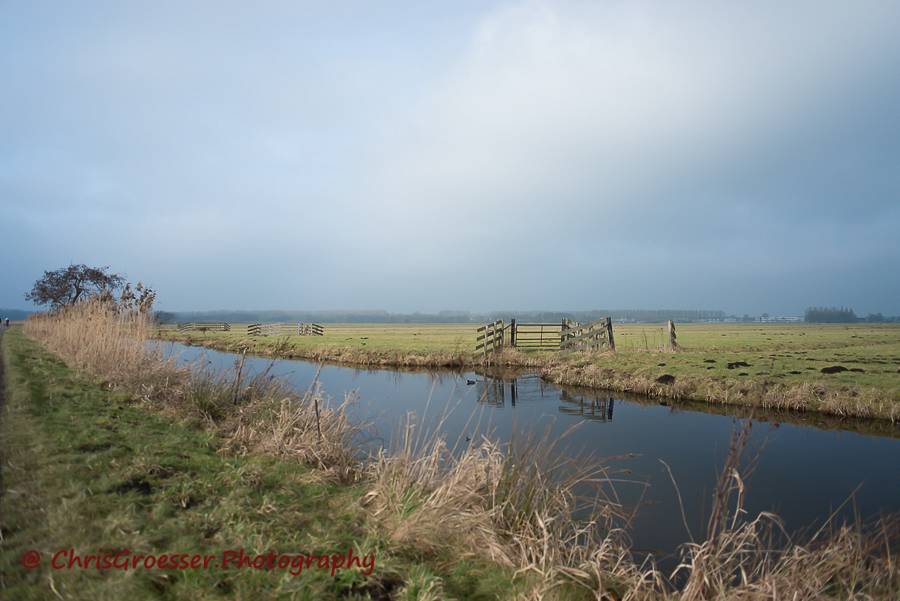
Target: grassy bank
x=765 y=365
x=88 y=468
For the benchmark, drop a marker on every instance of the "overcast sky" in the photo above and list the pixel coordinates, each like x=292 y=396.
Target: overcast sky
x=453 y=155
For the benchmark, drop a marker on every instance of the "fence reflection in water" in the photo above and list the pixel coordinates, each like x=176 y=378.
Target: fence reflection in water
x=495 y=391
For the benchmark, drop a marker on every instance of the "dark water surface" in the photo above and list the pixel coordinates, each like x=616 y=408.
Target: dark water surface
x=803 y=473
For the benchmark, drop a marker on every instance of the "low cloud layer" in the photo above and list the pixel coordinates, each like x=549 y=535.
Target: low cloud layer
x=525 y=155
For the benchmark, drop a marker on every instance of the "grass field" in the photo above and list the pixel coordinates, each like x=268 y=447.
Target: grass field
x=794 y=353
x=773 y=365
x=89 y=469
x=374 y=340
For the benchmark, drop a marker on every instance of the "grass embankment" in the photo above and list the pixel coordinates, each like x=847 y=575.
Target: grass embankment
x=766 y=365
x=161 y=460
x=89 y=468
x=393 y=345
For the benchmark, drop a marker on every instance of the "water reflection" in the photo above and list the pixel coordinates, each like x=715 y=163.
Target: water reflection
x=590 y=405
x=595 y=407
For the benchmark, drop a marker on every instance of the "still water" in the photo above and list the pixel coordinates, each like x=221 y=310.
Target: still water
x=802 y=472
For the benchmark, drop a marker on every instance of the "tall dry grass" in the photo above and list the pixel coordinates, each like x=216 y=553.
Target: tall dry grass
x=521 y=505
x=96 y=337
x=256 y=414
x=518 y=506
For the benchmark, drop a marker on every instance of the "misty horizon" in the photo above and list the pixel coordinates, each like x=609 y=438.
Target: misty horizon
x=467 y=316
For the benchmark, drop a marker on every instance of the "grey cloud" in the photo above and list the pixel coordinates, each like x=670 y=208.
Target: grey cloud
x=636 y=154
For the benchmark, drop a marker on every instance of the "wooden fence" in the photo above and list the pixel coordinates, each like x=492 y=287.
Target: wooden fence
x=217 y=326
x=592 y=336
x=285 y=329
x=565 y=335
x=490 y=337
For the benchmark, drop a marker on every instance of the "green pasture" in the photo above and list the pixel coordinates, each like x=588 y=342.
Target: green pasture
x=411 y=338
x=789 y=353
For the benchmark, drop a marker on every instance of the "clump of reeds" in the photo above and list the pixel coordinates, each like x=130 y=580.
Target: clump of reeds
x=514 y=504
x=752 y=558
x=251 y=414
x=98 y=337
x=746 y=557
x=275 y=420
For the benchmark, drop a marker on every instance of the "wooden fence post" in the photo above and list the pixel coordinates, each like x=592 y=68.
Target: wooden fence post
x=512 y=332
x=609 y=333
x=670 y=327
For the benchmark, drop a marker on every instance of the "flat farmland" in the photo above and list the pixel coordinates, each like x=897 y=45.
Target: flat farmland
x=411 y=338
x=863 y=354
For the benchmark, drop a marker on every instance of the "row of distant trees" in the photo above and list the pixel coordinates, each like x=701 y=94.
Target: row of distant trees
x=439 y=317
x=843 y=315
x=813 y=315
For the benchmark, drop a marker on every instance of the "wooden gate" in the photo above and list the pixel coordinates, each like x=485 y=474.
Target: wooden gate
x=592 y=336
x=490 y=337
x=285 y=329
x=537 y=335
x=565 y=335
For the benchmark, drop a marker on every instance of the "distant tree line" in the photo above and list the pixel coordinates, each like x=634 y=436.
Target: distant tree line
x=845 y=315
x=879 y=318
x=829 y=315
x=636 y=315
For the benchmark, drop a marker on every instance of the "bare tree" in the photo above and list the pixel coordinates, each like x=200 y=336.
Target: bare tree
x=67 y=285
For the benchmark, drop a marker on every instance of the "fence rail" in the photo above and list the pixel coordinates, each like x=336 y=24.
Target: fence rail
x=285 y=329
x=216 y=326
